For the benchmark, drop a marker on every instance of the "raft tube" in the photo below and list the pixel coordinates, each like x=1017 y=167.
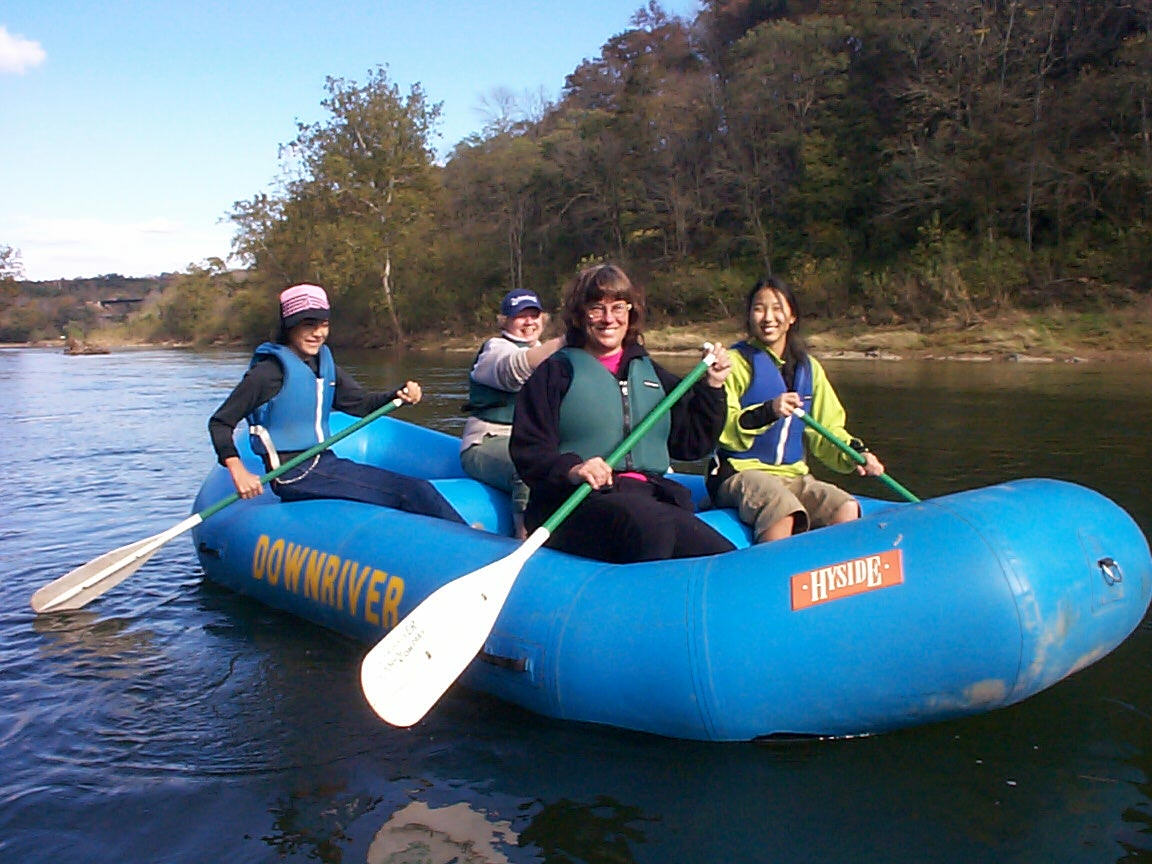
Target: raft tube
x=912 y=614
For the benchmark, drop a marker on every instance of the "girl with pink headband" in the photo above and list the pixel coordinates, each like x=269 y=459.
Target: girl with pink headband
x=291 y=387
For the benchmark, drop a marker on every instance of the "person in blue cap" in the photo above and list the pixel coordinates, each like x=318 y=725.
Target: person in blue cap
x=500 y=369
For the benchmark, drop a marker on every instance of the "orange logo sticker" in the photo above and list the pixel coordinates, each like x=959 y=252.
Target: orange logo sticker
x=847 y=579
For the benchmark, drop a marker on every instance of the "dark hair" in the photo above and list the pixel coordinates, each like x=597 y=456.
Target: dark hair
x=795 y=351
x=280 y=332
x=602 y=282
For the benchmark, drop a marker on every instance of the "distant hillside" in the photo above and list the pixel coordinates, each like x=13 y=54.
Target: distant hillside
x=96 y=287
x=32 y=311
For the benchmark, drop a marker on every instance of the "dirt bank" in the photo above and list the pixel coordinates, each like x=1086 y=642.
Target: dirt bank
x=1121 y=335
x=1116 y=336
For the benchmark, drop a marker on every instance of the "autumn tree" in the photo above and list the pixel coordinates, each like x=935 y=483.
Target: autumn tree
x=364 y=189
x=785 y=84
x=492 y=185
x=895 y=158
x=11 y=269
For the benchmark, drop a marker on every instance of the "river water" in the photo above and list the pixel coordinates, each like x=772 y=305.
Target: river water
x=173 y=721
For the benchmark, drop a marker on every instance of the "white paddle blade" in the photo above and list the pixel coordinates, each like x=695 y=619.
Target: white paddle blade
x=70 y=591
x=407 y=671
x=87 y=582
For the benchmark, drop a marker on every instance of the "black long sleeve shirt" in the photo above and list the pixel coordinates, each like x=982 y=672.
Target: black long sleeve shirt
x=263 y=381
x=697 y=420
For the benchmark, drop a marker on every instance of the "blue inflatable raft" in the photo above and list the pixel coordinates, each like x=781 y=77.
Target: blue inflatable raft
x=914 y=613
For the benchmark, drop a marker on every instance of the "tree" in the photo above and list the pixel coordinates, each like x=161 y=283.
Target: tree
x=364 y=186
x=493 y=199
x=895 y=157
x=11 y=270
x=784 y=79
x=11 y=267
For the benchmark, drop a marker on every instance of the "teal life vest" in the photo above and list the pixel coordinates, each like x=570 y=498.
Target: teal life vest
x=491 y=403
x=782 y=443
x=297 y=417
x=599 y=410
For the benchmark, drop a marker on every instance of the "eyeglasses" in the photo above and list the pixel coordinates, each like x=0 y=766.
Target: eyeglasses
x=599 y=311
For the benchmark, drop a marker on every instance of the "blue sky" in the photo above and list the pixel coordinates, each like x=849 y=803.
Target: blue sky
x=128 y=128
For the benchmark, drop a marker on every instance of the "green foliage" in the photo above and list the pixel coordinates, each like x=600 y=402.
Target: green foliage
x=698 y=293
x=898 y=161
x=204 y=305
x=822 y=282
x=46 y=311
x=25 y=323
x=360 y=206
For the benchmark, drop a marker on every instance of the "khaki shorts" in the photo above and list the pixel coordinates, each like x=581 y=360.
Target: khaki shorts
x=763 y=499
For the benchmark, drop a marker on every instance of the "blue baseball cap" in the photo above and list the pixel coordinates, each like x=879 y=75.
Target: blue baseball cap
x=517 y=300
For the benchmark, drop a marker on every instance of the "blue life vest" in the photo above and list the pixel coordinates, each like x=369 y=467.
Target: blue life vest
x=297 y=417
x=599 y=410
x=782 y=443
x=491 y=403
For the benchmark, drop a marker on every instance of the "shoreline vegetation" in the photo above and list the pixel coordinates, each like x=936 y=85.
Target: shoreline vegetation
x=1054 y=336
x=1118 y=335
x=943 y=181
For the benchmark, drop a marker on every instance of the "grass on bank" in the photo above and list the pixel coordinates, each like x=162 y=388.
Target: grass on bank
x=1058 y=334
x=1120 y=334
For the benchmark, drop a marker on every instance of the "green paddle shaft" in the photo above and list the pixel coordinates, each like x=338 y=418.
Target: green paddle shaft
x=307 y=454
x=575 y=499
x=858 y=458
x=407 y=671
x=88 y=581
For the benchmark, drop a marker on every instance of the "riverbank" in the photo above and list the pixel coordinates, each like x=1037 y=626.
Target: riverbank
x=1122 y=335
x=1117 y=335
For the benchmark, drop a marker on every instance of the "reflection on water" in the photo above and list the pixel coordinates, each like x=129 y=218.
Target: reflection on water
x=236 y=733
x=443 y=835
x=315 y=826
x=604 y=830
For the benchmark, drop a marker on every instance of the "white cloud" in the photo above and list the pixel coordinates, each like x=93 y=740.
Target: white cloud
x=18 y=54
x=71 y=248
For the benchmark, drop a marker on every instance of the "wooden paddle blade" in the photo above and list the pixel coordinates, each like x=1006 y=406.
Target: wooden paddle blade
x=407 y=671
x=70 y=592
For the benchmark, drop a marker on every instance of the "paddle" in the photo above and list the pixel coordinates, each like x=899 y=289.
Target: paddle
x=89 y=581
x=408 y=670
x=858 y=458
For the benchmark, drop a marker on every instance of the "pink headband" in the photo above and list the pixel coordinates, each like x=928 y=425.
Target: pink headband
x=302 y=298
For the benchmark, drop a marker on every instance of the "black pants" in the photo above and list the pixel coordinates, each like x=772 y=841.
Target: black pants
x=634 y=521
x=334 y=477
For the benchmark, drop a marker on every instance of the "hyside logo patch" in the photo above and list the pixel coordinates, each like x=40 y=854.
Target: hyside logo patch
x=847 y=579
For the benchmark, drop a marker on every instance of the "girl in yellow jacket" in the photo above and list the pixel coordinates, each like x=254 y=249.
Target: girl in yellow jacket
x=760 y=466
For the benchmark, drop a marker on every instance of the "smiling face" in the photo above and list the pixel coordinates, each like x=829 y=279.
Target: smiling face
x=606 y=325
x=307 y=337
x=769 y=318
x=603 y=310
x=525 y=326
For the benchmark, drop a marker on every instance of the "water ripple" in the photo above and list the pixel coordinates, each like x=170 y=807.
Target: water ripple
x=241 y=733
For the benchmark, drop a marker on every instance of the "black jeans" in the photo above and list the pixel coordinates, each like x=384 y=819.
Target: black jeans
x=333 y=477
x=634 y=520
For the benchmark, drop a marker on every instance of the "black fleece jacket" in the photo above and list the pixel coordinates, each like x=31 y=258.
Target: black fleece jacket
x=697 y=420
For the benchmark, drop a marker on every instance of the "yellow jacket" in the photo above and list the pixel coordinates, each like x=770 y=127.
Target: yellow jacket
x=826 y=409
